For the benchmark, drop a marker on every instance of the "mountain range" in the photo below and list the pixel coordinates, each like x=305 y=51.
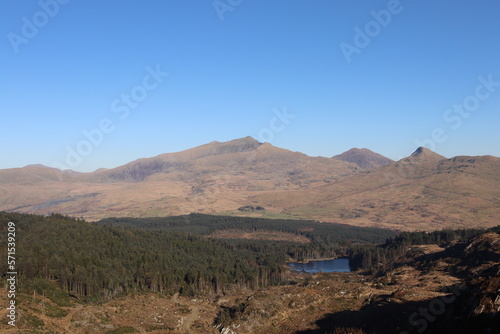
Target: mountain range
x=359 y=187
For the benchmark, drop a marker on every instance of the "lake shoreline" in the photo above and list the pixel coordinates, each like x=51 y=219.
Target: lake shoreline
x=320 y=259
x=317 y=266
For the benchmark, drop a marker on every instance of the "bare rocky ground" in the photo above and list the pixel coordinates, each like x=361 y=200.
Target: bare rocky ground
x=431 y=290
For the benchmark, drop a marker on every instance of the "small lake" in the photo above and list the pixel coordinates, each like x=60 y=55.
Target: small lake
x=326 y=266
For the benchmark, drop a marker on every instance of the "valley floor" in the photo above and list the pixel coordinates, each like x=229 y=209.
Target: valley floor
x=458 y=286
x=305 y=307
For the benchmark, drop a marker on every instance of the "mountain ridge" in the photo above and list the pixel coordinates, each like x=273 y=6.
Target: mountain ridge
x=422 y=191
x=243 y=144
x=412 y=193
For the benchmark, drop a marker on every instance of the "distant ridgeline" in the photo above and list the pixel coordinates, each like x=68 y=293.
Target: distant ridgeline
x=97 y=261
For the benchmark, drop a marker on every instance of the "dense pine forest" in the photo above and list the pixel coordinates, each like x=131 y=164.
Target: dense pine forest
x=101 y=261
x=116 y=256
x=326 y=240
x=205 y=224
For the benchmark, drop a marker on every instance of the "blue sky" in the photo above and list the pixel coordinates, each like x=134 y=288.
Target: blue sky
x=385 y=75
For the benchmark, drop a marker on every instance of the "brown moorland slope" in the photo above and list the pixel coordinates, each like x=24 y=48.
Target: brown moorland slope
x=423 y=191
x=215 y=177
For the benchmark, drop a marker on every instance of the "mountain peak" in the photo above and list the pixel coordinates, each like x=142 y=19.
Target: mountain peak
x=423 y=151
x=248 y=140
x=364 y=158
x=244 y=144
x=38 y=166
x=422 y=154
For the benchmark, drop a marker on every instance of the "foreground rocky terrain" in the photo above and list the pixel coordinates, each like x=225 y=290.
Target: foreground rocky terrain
x=431 y=289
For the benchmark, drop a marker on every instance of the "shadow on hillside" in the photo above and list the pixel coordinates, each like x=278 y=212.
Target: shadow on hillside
x=383 y=315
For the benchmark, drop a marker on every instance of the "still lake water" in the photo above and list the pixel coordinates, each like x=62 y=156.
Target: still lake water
x=326 y=266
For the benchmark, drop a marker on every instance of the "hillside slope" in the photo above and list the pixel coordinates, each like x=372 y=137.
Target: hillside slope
x=215 y=177
x=424 y=191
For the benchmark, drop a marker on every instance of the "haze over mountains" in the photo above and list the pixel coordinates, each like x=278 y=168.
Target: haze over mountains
x=358 y=187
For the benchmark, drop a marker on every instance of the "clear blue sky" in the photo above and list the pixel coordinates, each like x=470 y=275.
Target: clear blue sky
x=68 y=68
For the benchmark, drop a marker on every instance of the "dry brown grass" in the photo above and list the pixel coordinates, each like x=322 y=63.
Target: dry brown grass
x=422 y=192
x=259 y=235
